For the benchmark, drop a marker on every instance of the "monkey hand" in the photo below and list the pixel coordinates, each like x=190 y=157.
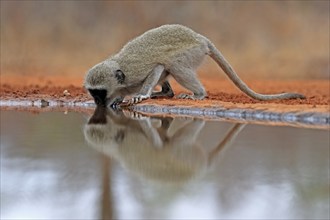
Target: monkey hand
x=136 y=99
x=116 y=103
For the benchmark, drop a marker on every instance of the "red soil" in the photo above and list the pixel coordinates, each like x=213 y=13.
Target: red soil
x=220 y=92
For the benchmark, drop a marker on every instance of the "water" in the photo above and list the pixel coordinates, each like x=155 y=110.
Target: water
x=59 y=166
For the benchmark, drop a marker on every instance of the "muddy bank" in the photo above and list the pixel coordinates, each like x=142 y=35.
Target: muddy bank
x=225 y=101
x=220 y=93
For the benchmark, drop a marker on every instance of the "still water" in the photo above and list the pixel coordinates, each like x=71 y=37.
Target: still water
x=125 y=166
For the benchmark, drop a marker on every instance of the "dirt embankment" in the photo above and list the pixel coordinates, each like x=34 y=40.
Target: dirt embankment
x=220 y=93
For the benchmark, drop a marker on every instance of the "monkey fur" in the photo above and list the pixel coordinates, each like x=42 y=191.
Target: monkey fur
x=147 y=61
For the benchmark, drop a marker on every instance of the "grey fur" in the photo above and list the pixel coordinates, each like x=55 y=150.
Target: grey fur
x=148 y=59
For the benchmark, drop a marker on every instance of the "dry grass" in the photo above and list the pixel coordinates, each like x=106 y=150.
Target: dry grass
x=273 y=39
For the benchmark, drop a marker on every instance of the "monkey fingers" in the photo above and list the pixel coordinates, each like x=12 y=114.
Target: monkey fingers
x=185 y=96
x=137 y=99
x=116 y=103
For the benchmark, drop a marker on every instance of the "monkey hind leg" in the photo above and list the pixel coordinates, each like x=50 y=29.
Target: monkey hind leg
x=165 y=92
x=188 y=79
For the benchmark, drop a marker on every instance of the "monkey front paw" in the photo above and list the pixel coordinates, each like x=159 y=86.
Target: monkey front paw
x=193 y=97
x=185 y=96
x=136 y=99
x=116 y=103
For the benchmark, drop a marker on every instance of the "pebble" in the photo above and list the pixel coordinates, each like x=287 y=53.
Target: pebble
x=66 y=93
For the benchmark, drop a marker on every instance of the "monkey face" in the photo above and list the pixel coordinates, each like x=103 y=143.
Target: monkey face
x=103 y=81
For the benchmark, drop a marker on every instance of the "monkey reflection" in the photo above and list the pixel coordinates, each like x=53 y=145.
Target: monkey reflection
x=155 y=148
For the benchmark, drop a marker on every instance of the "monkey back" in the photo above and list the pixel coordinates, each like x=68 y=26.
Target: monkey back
x=156 y=46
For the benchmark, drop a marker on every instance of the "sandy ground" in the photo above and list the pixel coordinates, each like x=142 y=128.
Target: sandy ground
x=221 y=92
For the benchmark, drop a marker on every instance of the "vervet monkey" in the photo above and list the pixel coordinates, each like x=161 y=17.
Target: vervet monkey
x=147 y=61
x=168 y=151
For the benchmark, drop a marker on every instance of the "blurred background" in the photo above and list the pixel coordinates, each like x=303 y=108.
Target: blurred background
x=263 y=39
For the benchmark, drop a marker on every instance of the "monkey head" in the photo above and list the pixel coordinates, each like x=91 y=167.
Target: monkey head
x=103 y=81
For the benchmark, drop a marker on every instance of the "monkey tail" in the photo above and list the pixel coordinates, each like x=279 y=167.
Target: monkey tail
x=223 y=63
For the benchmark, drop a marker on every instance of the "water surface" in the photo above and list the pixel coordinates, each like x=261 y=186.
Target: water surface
x=67 y=166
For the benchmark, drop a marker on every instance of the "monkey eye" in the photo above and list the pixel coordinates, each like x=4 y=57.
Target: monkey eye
x=120 y=76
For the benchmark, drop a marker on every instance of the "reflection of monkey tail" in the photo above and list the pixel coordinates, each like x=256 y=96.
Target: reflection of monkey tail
x=230 y=136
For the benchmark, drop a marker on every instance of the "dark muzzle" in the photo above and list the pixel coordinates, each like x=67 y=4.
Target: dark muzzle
x=99 y=95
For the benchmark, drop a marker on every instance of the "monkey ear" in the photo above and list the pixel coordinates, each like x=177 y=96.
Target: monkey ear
x=120 y=76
